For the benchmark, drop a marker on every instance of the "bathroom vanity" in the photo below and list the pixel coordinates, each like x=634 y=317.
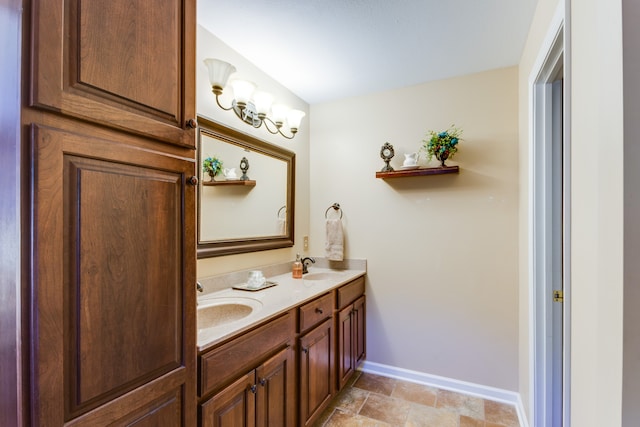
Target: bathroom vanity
x=281 y=362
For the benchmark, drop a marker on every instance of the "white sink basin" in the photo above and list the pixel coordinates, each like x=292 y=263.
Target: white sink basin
x=219 y=311
x=324 y=275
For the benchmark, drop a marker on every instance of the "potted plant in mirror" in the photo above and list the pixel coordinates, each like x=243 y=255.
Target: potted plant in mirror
x=442 y=145
x=212 y=166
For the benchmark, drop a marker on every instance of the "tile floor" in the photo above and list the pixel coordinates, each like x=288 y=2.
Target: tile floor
x=371 y=400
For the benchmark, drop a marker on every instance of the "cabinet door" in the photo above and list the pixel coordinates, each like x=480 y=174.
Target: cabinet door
x=276 y=394
x=124 y=64
x=316 y=371
x=346 y=344
x=112 y=289
x=232 y=407
x=359 y=329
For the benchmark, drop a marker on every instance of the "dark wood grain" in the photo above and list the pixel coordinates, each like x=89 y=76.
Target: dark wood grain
x=247 y=183
x=349 y=292
x=222 y=364
x=418 y=172
x=111 y=218
x=316 y=370
x=233 y=406
x=276 y=391
x=316 y=311
x=122 y=64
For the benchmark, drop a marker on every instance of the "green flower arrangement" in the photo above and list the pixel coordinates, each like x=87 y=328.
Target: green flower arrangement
x=442 y=145
x=212 y=166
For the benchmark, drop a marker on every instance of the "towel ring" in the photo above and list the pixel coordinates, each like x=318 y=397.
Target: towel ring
x=335 y=206
x=280 y=210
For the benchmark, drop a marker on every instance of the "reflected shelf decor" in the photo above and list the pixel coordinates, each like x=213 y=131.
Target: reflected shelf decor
x=249 y=105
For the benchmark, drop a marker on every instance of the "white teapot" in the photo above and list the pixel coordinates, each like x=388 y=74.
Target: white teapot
x=230 y=173
x=410 y=159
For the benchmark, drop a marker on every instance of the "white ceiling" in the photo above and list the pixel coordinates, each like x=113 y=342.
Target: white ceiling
x=324 y=50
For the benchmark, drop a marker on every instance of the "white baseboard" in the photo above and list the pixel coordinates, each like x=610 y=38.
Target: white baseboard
x=464 y=387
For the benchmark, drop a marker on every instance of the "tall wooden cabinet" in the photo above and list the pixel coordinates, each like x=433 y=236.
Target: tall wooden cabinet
x=108 y=97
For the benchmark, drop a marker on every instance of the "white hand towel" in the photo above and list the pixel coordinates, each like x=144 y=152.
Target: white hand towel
x=334 y=245
x=282 y=226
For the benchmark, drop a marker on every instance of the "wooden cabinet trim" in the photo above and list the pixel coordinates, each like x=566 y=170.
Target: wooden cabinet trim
x=221 y=364
x=349 y=292
x=55 y=83
x=315 y=311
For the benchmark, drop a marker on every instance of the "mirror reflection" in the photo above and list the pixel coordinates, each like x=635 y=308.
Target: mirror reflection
x=245 y=197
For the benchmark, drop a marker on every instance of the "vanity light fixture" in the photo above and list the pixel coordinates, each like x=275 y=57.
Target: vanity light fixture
x=252 y=106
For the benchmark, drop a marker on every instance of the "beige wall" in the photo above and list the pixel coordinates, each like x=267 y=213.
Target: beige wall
x=441 y=250
x=597 y=220
x=210 y=46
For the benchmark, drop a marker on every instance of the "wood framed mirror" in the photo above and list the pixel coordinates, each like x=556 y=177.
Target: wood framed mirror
x=246 y=212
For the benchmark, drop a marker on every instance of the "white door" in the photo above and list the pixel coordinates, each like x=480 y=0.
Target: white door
x=550 y=239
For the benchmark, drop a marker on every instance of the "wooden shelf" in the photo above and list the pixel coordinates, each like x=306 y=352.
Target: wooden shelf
x=247 y=183
x=418 y=172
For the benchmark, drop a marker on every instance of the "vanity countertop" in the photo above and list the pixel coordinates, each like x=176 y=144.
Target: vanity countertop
x=270 y=302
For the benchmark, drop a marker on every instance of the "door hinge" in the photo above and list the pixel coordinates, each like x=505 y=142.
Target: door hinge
x=558 y=296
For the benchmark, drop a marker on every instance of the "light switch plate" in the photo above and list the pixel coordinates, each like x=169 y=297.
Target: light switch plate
x=305 y=242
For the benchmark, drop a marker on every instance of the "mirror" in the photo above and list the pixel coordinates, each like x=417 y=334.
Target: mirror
x=250 y=211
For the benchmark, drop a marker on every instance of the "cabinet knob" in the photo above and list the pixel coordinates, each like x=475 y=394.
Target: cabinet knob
x=305 y=350
x=263 y=381
x=193 y=180
x=254 y=389
x=192 y=123
x=319 y=310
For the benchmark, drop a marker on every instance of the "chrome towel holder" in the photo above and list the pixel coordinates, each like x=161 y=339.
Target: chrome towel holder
x=336 y=207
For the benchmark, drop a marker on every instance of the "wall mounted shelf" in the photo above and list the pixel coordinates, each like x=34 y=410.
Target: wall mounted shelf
x=418 y=172
x=247 y=183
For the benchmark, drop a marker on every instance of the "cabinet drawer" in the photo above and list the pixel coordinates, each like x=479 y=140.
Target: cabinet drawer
x=315 y=311
x=349 y=292
x=220 y=365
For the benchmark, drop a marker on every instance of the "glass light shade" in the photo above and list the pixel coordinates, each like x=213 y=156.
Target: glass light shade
x=242 y=90
x=294 y=117
x=279 y=113
x=219 y=72
x=262 y=102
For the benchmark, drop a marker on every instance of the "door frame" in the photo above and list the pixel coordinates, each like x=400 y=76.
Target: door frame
x=552 y=58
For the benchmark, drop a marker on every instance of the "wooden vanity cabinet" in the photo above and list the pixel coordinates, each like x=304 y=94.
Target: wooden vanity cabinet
x=351 y=348
x=316 y=362
x=250 y=380
x=260 y=398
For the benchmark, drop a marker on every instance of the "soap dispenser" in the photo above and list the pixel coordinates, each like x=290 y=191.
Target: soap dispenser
x=297 y=268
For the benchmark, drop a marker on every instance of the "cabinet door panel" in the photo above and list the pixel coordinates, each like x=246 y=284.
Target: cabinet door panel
x=316 y=371
x=346 y=363
x=232 y=407
x=122 y=63
x=112 y=303
x=276 y=392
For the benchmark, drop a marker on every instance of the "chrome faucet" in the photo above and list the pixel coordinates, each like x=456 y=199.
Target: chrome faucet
x=305 y=266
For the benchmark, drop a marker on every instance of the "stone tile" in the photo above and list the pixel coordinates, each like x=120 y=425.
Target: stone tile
x=503 y=414
x=376 y=383
x=386 y=409
x=417 y=393
x=351 y=400
x=462 y=404
x=427 y=416
x=470 y=422
x=342 y=419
